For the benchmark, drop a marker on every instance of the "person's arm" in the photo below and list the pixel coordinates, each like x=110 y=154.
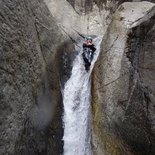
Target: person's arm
x=93 y=48
x=84 y=45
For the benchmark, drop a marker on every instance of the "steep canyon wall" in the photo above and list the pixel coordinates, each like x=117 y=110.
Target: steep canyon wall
x=123 y=86
x=31 y=53
x=37 y=40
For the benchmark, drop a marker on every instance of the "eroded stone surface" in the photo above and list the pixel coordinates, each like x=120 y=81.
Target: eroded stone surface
x=36 y=45
x=29 y=79
x=75 y=18
x=123 y=102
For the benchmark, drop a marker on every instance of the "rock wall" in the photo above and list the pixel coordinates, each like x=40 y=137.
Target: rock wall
x=83 y=16
x=37 y=40
x=30 y=95
x=123 y=86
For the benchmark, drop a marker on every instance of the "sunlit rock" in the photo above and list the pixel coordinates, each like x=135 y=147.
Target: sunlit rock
x=122 y=100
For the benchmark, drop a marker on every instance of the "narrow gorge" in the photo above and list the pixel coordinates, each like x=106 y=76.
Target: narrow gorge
x=77 y=107
x=50 y=104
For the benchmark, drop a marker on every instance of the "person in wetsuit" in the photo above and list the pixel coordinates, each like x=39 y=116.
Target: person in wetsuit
x=88 y=52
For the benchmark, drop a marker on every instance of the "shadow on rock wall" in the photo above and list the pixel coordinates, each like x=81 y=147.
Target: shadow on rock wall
x=30 y=93
x=124 y=109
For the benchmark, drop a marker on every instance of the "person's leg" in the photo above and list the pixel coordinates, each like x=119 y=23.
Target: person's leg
x=87 y=66
x=86 y=61
x=92 y=55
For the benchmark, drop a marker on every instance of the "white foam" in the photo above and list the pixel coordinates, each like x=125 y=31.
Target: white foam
x=77 y=107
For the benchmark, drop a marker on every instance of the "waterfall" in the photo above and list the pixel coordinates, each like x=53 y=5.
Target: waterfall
x=77 y=106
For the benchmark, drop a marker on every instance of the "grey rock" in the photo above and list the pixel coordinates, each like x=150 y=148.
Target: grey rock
x=36 y=54
x=124 y=85
x=30 y=94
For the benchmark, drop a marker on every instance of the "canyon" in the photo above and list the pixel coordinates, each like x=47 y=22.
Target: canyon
x=38 y=41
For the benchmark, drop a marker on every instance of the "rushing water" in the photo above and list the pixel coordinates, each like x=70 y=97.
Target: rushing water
x=77 y=107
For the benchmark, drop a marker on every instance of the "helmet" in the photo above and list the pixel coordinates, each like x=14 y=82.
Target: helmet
x=89 y=38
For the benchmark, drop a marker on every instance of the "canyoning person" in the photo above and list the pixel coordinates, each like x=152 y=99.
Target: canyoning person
x=88 y=52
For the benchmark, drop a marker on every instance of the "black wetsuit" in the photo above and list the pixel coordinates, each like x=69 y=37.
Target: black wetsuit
x=88 y=53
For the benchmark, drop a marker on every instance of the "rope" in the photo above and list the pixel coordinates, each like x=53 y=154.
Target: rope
x=88 y=24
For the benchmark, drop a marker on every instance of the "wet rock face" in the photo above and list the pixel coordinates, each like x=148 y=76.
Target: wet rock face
x=31 y=104
x=87 y=5
x=123 y=86
x=141 y=109
x=86 y=17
